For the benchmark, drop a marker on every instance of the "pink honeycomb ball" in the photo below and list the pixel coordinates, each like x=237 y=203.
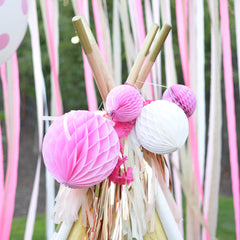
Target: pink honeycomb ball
x=13 y=26
x=183 y=96
x=124 y=103
x=80 y=149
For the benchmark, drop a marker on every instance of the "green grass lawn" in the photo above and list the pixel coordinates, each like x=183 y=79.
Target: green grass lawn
x=226 y=226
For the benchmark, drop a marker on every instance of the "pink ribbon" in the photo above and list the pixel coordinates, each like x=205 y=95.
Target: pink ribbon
x=230 y=109
x=82 y=6
x=53 y=61
x=183 y=46
x=13 y=134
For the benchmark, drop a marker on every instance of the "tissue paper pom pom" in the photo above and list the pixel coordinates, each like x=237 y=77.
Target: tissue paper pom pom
x=162 y=127
x=182 y=96
x=80 y=149
x=124 y=103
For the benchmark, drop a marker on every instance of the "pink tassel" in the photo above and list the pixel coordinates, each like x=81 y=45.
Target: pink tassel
x=230 y=109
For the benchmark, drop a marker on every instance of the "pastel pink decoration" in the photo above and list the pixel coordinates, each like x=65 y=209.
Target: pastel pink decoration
x=182 y=96
x=124 y=103
x=24 y=7
x=53 y=55
x=13 y=27
x=81 y=149
x=4 y=40
x=230 y=110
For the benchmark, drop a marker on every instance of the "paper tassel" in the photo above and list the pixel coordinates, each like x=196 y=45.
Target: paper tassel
x=230 y=109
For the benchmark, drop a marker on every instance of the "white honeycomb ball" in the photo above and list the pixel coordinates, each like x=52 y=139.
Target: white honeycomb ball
x=162 y=127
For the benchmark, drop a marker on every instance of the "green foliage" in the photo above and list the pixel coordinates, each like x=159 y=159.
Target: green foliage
x=18 y=228
x=226 y=225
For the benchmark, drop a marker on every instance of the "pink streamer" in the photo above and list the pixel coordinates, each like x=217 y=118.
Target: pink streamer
x=91 y=95
x=2 y=189
x=141 y=34
x=1 y=180
x=183 y=46
x=13 y=153
x=182 y=40
x=230 y=109
x=53 y=61
x=99 y=30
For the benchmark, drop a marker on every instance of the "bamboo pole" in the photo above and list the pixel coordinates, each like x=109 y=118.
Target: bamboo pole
x=146 y=69
x=142 y=54
x=99 y=68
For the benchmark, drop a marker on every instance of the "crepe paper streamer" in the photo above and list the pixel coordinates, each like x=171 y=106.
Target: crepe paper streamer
x=50 y=18
x=200 y=79
x=84 y=153
x=124 y=103
x=177 y=189
x=104 y=63
x=157 y=66
x=50 y=13
x=183 y=47
x=157 y=129
x=102 y=7
x=237 y=27
x=196 y=66
x=11 y=34
x=129 y=43
x=141 y=35
x=230 y=109
x=182 y=39
x=170 y=69
x=213 y=161
x=13 y=134
x=156 y=69
x=2 y=188
x=40 y=97
x=182 y=96
x=117 y=59
x=81 y=7
x=99 y=30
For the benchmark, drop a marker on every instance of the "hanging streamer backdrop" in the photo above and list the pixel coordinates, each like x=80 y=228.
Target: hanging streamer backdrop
x=120 y=27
